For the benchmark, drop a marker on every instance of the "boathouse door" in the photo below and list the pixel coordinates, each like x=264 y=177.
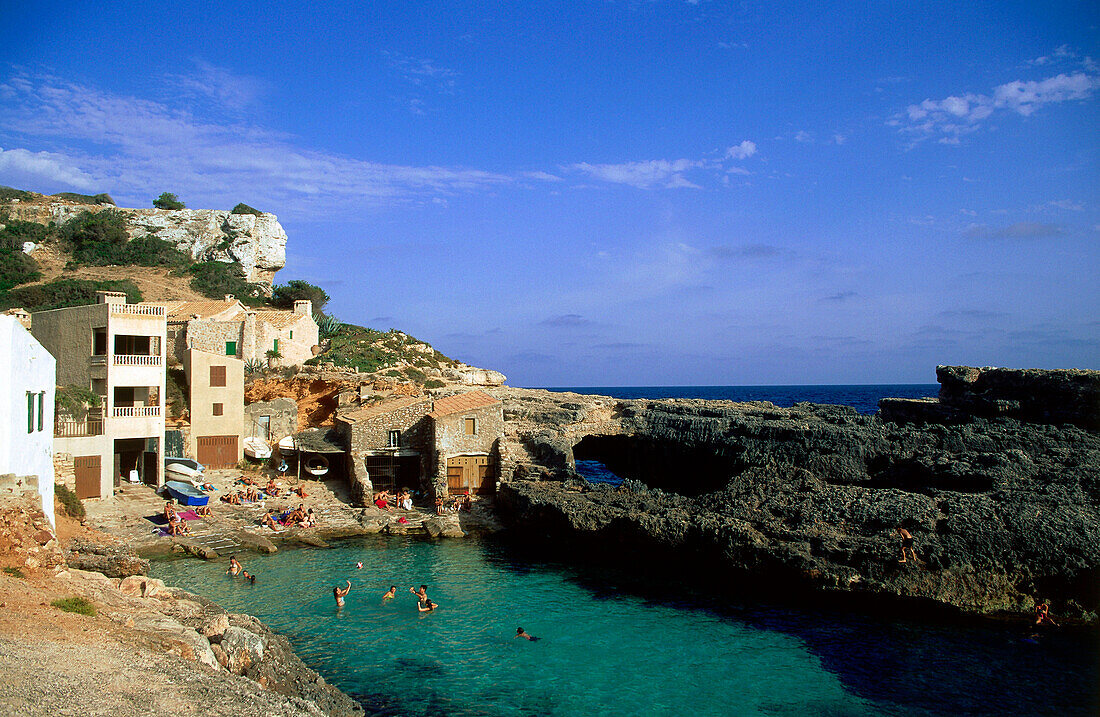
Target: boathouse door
x=469 y=473
x=88 y=475
x=217 y=451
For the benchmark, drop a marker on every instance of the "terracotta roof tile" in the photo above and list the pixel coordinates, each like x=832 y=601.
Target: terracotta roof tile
x=378 y=409
x=462 y=402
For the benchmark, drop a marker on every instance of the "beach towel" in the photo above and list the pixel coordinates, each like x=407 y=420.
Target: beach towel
x=189 y=515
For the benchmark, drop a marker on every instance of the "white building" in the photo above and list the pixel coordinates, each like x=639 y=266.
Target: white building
x=27 y=377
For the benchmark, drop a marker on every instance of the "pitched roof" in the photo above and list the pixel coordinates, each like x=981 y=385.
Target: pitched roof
x=279 y=319
x=185 y=310
x=319 y=440
x=379 y=409
x=462 y=402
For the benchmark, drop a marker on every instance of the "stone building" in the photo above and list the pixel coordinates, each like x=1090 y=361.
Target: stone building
x=116 y=350
x=27 y=374
x=230 y=328
x=216 y=387
x=270 y=420
x=436 y=447
x=467 y=429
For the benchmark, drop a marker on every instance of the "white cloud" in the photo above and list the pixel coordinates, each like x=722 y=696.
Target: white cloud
x=839 y=139
x=803 y=136
x=222 y=86
x=542 y=176
x=959 y=115
x=141 y=146
x=649 y=174
x=741 y=151
x=25 y=167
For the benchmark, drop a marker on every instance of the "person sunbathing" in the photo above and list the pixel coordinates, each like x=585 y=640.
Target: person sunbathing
x=311 y=518
x=232 y=498
x=169 y=511
x=203 y=511
x=247 y=480
x=269 y=521
x=252 y=493
x=300 y=491
x=404 y=500
x=176 y=525
x=271 y=488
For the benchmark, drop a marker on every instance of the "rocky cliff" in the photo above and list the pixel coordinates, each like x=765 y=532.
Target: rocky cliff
x=1005 y=512
x=257 y=242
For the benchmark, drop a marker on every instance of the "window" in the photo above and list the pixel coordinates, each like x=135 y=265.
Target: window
x=217 y=375
x=471 y=426
x=292 y=333
x=275 y=346
x=219 y=409
x=230 y=348
x=41 y=405
x=30 y=412
x=395 y=439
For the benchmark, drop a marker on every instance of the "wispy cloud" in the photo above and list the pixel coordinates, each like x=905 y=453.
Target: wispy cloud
x=1019 y=230
x=420 y=70
x=741 y=151
x=958 y=115
x=131 y=146
x=566 y=321
x=745 y=251
x=839 y=297
x=227 y=89
x=646 y=174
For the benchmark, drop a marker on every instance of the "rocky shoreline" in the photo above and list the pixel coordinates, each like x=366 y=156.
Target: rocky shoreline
x=1001 y=494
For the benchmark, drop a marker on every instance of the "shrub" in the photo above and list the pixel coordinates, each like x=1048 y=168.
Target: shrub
x=16 y=268
x=86 y=198
x=434 y=383
x=253 y=366
x=75 y=604
x=243 y=208
x=9 y=193
x=175 y=392
x=167 y=200
x=60 y=293
x=16 y=232
x=327 y=326
x=285 y=295
x=74 y=401
x=273 y=354
x=215 y=279
x=416 y=374
x=14 y=572
x=96 y=238
x=72 y=505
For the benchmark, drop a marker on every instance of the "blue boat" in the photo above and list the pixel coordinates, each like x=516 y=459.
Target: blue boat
x=186 y=493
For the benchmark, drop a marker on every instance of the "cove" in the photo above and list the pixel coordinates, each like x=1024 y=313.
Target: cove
x=619 y=643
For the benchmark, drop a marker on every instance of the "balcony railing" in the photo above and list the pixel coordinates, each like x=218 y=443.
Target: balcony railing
x=135 y=411
x=138 y=309
x=75 y=429
x=138 y=360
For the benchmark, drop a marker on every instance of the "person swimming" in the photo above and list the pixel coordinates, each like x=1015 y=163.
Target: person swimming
x=340 y=594
x=249 y=577
x=426 y=606
x=235 y=567
x=520 y=633
x=390 y=593
x=359 y=565
x=421 y=594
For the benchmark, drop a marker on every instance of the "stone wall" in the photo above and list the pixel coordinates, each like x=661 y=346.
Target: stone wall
x=374 y=432
x=282 y=411
x=64 y=472
x=211 y=336
x=450 y=439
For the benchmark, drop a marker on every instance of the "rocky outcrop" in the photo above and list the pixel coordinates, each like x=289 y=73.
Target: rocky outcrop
x=1004 y=512
x=257 y=242
x=473 y=376
x=1034 y=395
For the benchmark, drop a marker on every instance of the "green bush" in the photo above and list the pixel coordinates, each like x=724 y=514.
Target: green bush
x=215 y=279
x=73 y=507
x=16 y=232
x=96 y=238
x=285 y=295
x=16 y=268
x=9 y=193
x=167 y=200
x=416 y=374
x=74 y=401
x=243 y=208
x=75 y=604
x=253 y=366
x=14 y=572
x=434 y=383
x=327 y=326
x=60 y=293
x=86 y=198
x=176 y=392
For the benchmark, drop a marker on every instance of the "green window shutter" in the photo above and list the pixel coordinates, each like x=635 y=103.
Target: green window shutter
x=292 y=333
x=30 y=412
x=230 y=348
x=276 y=345
x=41 y=406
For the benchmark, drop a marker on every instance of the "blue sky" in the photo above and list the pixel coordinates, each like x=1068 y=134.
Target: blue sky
x=614 y=193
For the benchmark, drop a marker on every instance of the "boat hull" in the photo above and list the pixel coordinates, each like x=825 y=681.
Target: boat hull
x=186 y=494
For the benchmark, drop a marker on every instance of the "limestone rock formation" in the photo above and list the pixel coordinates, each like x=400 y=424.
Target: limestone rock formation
x=473 y=376
x=257 y=242
x=1005 y=512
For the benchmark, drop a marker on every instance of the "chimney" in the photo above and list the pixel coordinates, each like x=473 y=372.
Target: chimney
x=110 y=297
x=303 y=306
x=230 y=297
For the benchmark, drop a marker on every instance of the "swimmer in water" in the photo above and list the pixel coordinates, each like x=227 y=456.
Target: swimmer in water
x=390 y=593
x=235 y=567
x=340 y=594
x=250 y=578
x=421 y=594
x=524 y=635
x=427 y=606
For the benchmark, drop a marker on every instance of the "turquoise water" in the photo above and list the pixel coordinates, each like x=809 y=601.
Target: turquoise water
x=616 y=644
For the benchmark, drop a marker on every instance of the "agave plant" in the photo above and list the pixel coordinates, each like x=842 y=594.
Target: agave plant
x=253 y=366
x=327 y=325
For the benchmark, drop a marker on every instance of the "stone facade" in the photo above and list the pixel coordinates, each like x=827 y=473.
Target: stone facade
x=281 y=415
x=466 y=425
x=229 y=328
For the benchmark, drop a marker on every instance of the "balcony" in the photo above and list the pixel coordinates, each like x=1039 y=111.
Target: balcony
x=135 y=411
x=78 y=429
x=137 y=360
x=138 y=310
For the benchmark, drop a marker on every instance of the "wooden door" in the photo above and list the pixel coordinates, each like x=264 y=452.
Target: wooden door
x=485 y=483
x=456 y=476
x=88 y=471
x=217 y=451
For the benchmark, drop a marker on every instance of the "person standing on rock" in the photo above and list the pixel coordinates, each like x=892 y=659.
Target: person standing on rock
x=906 y=544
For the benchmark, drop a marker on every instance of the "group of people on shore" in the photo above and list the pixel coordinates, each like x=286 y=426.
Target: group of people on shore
x=383 y=498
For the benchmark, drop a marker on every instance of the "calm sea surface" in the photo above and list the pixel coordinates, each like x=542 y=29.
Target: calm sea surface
x=618 y=644
x=864 y=398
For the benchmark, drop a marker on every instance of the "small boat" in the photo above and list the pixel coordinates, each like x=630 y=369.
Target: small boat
x=257 y=448
x=286 y=446
x=189 y=462
x=183 y=473
x=186 y=493
x=316 y=465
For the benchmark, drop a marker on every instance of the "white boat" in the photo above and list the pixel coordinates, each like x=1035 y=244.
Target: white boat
x=183 y=474
x=286 y=446
x=257 y=448
x=316 y=465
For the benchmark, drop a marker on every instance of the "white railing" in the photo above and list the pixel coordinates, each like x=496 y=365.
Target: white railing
x=139 y=309
x=135 y=411
x=137 y=360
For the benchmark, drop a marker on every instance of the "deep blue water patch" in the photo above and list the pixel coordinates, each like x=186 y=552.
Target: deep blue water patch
x=617 y=642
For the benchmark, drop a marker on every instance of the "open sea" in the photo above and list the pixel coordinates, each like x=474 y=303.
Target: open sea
x=622 y=643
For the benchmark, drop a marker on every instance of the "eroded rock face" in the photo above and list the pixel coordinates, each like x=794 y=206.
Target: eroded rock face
x=473 y=376
x=257 y=242
x=112 y=560
x=1004 y=512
